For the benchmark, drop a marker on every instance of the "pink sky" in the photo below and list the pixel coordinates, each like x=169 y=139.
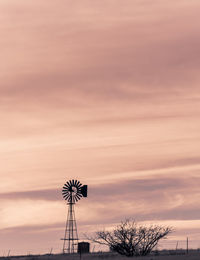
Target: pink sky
x=106 y=92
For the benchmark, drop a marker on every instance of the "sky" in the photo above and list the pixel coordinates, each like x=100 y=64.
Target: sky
x=105 y=92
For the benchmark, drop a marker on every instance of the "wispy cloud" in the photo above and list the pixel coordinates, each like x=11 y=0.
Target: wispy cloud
x=106 y=92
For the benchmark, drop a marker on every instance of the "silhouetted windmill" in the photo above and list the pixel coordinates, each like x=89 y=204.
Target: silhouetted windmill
x=72 y=191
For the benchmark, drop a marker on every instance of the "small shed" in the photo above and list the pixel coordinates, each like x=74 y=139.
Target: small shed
x=83 y=247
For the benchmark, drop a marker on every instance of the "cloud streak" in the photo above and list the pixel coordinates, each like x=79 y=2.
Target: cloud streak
x=105 y=92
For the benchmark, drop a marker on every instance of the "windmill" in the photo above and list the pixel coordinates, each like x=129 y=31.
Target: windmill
x=72 y=192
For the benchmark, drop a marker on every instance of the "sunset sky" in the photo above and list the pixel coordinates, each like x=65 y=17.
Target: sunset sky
x=106 y=92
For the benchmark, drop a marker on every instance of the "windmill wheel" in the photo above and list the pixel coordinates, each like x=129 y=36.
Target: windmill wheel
x=72 y=191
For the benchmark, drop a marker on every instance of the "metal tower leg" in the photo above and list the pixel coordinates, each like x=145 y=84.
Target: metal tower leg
x=70 y=244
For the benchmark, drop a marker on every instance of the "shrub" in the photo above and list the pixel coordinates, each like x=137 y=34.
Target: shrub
x=131 y=239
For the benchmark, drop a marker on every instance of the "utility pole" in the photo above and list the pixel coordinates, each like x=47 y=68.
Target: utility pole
x=176 y=246
x=187 y=243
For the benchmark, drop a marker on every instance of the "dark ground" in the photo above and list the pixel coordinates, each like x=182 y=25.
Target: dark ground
x=162 y=255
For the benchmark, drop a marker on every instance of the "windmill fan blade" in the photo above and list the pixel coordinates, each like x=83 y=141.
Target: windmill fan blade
x=76 y=182
x=65 y=189
x=78 y=196
x=65 y=193
x=67 y=186
x=68 y=183
x=76 y=199
x=68 y=198
x=80 y=184
x=73 y=182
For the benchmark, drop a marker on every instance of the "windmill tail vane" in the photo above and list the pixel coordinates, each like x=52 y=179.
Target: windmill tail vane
x=72 y=192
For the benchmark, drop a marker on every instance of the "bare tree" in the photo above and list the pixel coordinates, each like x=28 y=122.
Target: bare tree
x=131 y=239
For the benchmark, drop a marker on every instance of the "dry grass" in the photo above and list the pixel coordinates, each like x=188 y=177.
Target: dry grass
x=194 y=255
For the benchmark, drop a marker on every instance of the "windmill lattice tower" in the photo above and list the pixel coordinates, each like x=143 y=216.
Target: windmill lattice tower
x=72 y=191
